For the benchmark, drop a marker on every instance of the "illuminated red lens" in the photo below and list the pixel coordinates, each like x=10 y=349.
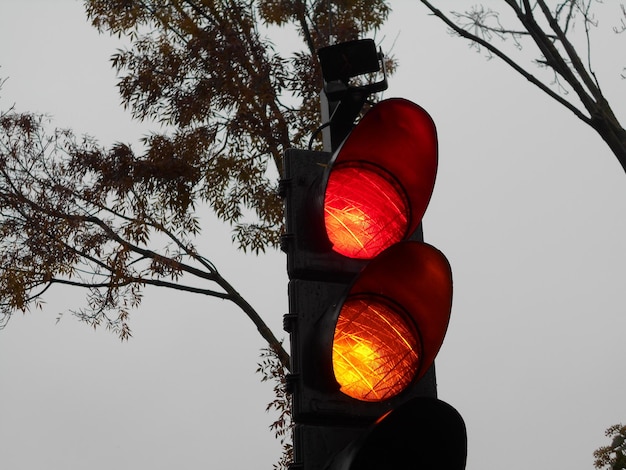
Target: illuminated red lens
x=365 y=211
x=375 y=352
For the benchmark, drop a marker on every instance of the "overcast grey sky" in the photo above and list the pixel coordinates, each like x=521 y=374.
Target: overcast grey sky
x=529 y=207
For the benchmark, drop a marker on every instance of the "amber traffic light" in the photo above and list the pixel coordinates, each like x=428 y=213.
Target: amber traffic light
x=392 y=322
x=375 y=350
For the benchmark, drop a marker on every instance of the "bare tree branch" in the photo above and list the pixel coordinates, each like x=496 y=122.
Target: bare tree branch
x=558 y=53
x=504 y=57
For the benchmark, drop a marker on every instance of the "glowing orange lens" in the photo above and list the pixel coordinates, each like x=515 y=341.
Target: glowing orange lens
x=374 y=350
x=364 y=211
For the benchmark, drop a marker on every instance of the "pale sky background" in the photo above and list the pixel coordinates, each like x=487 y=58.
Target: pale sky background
x=529 y=207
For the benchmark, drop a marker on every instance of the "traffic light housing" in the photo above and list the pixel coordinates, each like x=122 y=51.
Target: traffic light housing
x=423 y=433
x=372 y=192
x=369 y=301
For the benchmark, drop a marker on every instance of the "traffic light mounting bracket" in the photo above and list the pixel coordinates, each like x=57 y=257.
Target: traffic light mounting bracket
x=342 y=101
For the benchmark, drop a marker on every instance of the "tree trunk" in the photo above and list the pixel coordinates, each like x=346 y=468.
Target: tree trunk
x=608 y=127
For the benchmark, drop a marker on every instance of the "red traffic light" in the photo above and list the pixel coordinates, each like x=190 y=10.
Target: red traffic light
x=381 y=179
x=392 y=322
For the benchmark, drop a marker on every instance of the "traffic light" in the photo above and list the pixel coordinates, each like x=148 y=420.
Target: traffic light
x=423 y=433
x=369 y=301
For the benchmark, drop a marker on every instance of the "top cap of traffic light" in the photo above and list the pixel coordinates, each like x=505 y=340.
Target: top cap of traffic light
x=380 y=180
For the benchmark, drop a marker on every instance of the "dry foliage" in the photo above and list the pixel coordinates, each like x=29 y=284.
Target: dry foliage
x=272 y=370
x=112 y=221
x=612 y=457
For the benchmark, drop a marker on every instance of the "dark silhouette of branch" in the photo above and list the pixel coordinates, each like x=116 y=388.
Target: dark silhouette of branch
x=558 y=54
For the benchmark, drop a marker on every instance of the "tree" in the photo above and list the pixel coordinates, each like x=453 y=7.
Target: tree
x=74 y=214
x=612 y=457
x=567 y=74
x=206 y=65
x=111 y=221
